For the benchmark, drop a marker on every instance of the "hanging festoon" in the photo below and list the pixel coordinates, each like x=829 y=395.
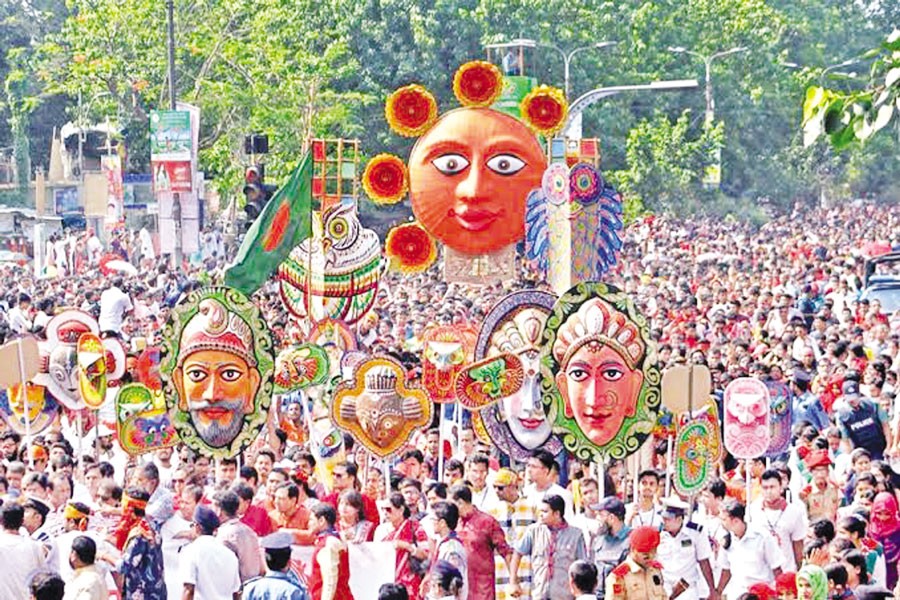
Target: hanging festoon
x=217 y=370
x=378 y=408
x=601 y=383
x=516 y=422
x=467 y=176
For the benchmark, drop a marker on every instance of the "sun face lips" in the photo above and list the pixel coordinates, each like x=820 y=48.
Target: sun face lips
x=473 y=218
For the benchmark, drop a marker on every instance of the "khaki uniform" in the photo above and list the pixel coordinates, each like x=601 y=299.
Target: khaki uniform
x=630 y=581
x=821 y=503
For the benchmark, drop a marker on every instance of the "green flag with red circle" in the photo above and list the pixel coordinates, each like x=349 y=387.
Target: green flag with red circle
x=284 y=222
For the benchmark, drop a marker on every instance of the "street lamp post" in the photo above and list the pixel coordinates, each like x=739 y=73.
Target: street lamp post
x=567 y=58
x=707 y=61
x=828 y=69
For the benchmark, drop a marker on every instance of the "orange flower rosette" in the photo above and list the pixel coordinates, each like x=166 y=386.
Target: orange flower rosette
x=411 y=110
x=385 y=179
x=477 y=83
x=410 y=248
x=544 y=109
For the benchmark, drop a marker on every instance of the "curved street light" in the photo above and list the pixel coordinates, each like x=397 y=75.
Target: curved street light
x=707 y=61
x=567 y=57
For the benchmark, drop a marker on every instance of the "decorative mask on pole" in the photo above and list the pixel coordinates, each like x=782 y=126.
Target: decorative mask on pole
x=377 y=408
x=299 y=367
x=69 y=369
x=600 y=379
x=143 y=422
x=217 y=370
x=445 y=350
x=780 y=410
x=517 y=423
x=574 y=225
x=746 y=405
x=698 y=448
x=335 y=273
x=42 y=409
x=470 y=171
x=91 y=358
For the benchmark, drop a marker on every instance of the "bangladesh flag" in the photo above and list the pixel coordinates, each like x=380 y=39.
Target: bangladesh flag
x=283 y=223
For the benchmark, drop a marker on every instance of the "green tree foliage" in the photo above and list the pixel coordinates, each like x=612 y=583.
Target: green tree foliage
x=666 y=163
x=295 y=68
x=853 y=116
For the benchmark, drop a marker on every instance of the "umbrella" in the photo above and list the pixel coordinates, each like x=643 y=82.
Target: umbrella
x=122 y=266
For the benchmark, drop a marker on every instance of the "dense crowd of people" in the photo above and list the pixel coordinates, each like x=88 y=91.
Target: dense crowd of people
x=777 y=302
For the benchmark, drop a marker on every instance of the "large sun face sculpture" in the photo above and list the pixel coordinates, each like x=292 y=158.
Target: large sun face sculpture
x=469 y=174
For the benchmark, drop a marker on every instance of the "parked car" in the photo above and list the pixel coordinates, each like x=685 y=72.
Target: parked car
x=882 y=281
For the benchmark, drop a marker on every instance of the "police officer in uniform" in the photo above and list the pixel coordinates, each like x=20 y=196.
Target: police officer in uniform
x=279 y=582
x=684 y=552
x=639 y=577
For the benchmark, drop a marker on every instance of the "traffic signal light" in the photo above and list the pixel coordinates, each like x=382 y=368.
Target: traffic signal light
x=256 y=192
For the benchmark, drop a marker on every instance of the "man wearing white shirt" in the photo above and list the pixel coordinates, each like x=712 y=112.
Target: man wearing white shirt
x=785 y=521
x=114 y=305
x=18 y=316
x=20 y=556
x=483 y=496
x=209 y=570
x=540 y=467
x=752 y=551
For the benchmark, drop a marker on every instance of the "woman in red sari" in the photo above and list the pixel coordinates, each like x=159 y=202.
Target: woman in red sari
x=409 y=539
x=352 y=523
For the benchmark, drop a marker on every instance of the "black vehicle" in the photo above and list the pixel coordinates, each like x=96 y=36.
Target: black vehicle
x=882 y=281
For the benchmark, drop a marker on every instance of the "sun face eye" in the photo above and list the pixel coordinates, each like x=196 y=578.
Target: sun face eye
x=450 y=164
x=506 y=164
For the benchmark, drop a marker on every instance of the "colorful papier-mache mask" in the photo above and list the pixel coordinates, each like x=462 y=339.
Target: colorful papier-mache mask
x=217 y=370
x=334 y=274
x=91 y=358
x=445 y=351
x=780 y=410
x=143 y=421
x=746 y=418
x=517 y=423
x=470 y=171
x=42 y=409
x=299 y=367
x=698 y=448
x=600 y=379
x=377 y=408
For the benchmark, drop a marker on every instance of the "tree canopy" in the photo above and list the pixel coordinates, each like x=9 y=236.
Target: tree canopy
x=296 y=68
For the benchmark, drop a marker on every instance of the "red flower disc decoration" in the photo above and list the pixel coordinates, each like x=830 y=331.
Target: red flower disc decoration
x=545 y=109
x=477 y=83
x=410 y=248
x=411 y=110
x=385 y=179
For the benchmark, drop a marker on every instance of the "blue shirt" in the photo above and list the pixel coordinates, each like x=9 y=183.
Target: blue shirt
x=275 y=585
x=809 y=408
